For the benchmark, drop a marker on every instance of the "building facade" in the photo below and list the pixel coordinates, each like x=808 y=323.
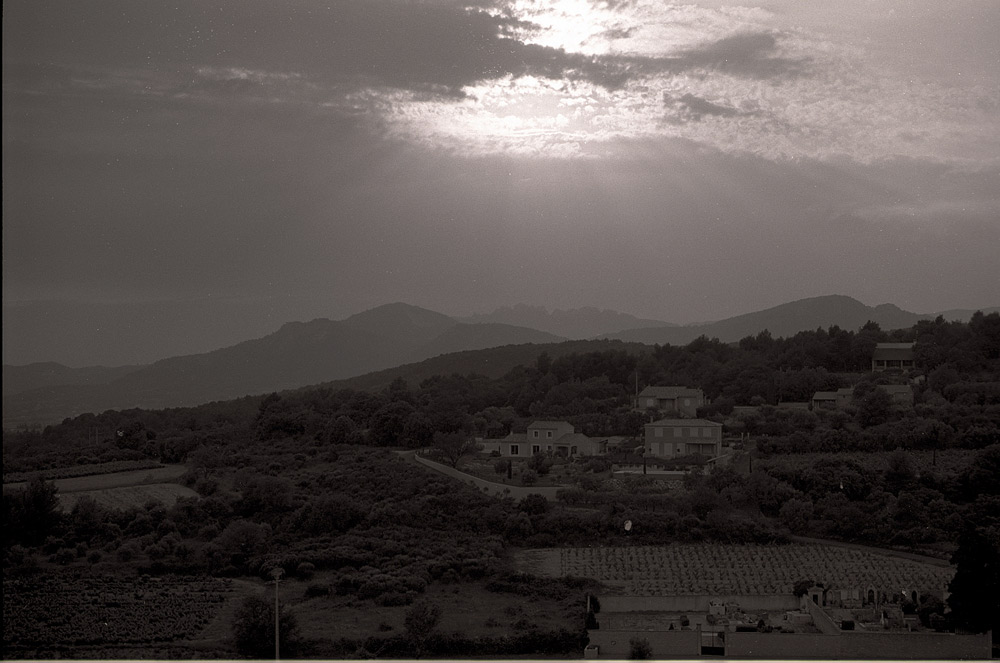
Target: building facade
x=892 y=357
x=671 y=438
x=685 y=401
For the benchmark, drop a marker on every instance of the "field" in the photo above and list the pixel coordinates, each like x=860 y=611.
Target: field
x=126 y=497
x=50 y=613
x=120 y=490
x=466 y=608
x=82 y=470
x=700 y=569
x=158 y=474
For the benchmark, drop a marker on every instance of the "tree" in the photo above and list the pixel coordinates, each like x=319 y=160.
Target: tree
x=253 y=629
x=421 y=619
x=874 y=407
x=975 y=588
x=32 y=514
x=454 y=446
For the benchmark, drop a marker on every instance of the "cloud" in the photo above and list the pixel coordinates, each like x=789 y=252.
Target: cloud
x=750 y=54
x=692 y=107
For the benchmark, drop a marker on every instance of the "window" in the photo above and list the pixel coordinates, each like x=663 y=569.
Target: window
x=535 y=448
x=514 y=450
x=548 y=433
x=534 y=433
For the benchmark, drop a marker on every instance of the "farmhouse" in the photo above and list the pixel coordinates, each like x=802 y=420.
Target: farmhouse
x=684 y=401
x=554 y=437
x=670 y=438
x=832 y=399
x=892 y=357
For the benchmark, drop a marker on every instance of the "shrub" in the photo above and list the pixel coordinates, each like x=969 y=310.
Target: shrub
x=639 y=650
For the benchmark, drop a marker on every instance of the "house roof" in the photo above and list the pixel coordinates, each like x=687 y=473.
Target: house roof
x=833 y=395
x=893 y=351
x=550 y=424
x=573 y=438
x=669 y=392
x=684 y=422
x=898 y=388
x=516 y=437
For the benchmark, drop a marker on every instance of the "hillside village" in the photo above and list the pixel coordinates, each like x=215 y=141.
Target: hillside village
x=681 y=501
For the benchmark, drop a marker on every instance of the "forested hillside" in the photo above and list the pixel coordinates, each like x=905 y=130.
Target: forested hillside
x=305 y=480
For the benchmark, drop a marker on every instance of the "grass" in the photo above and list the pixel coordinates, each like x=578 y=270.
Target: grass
x=466 y=608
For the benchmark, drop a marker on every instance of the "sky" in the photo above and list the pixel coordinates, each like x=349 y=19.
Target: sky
x=683 y=162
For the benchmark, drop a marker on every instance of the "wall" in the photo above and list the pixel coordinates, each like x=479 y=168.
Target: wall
x=694 y=603
x=822 y=620
x=854 y=645
x=492 y=487
x=664 y=644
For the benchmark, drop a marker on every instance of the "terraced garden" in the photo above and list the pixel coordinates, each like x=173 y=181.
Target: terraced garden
x=702 y=569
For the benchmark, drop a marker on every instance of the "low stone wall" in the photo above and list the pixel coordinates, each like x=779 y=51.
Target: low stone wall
x=489 y=487
x=695 y=603
x=859 y=646
x=664 y=644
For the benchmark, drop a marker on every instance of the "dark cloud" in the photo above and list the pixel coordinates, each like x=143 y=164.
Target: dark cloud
x=750 y=54
x=692 y=107
x=427 y=47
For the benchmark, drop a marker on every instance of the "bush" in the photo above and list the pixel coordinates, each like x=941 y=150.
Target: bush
x=639 y=650
x=529 y=478
x=316 y=589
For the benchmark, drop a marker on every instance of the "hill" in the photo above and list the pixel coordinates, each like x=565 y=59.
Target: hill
x=577 y=323
x=298 y=354
x=789 y=319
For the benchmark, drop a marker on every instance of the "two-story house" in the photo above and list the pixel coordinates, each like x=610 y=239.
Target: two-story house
x=892 y=357
x=670 y=438
x=555 y=437
x=685 y=401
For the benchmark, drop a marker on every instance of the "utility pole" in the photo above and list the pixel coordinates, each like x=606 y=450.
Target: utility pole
x=276 y=573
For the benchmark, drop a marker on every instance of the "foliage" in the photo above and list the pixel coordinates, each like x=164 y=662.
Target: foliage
x=975 y=590
x=32 y=513
x=253 y=629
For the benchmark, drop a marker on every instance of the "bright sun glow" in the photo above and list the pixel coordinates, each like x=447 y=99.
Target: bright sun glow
x=838 y=109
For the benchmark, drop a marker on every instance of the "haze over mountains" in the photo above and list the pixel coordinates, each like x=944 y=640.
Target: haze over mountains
x=393 y=335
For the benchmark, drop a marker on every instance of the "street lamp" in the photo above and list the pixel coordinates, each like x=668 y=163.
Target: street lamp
x=276 y=573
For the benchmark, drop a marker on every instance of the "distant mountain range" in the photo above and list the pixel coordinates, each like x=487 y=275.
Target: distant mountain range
x=298 y=354
x=577 y=323
x=359 y=349
x=789 y=319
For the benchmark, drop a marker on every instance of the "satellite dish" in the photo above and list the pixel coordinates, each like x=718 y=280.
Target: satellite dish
x=628 y=525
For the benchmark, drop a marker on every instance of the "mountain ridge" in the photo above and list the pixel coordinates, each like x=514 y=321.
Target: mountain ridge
x=301 y=354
